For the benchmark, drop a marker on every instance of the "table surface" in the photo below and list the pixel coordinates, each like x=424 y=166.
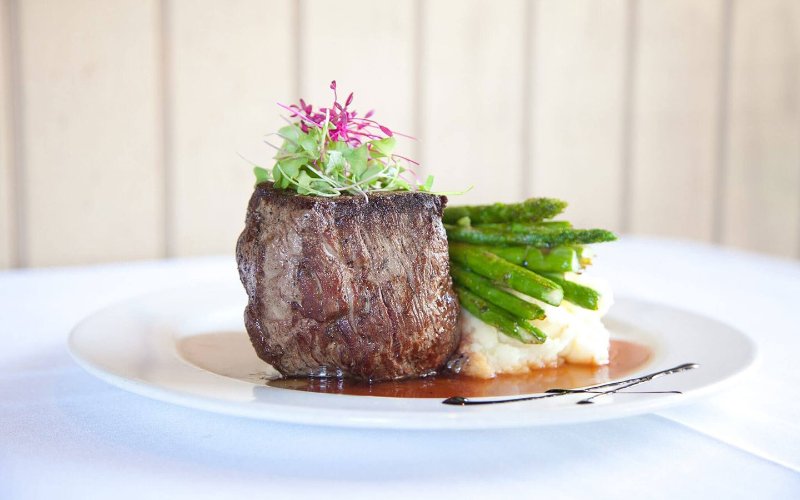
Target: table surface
x=65 y=434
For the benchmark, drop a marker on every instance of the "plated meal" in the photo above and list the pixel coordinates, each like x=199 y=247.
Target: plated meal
x=361 y=280
x=355 y=270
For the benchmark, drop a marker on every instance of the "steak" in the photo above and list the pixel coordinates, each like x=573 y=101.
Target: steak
x=352 y=286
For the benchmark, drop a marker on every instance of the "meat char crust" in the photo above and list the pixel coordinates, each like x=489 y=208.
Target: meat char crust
x=350 y=286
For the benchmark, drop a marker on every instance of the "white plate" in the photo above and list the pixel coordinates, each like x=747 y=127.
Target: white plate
x=138 y=345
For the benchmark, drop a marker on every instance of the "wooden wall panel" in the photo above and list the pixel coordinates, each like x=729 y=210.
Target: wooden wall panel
x=124 y=98
x=91 y=134
x=675 y=118
x=368 y=48
x=472 y=99
x=577 y=105
x=6 y=142
x=230 y=62
x=762 y=189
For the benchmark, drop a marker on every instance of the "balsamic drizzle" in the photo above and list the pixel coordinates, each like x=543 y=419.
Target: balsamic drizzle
x=597 y=390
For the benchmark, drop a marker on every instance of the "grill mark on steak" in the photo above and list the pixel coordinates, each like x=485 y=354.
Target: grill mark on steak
x=348 y=286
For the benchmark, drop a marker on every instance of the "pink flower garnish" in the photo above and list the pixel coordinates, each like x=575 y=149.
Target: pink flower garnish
x=343 y=124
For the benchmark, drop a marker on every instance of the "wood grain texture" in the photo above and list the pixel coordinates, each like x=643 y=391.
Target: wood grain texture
x=472 y=100
x=517 y=97
x=90 y=134
x=229 y=65
x=7 y=212
x=761 y=205
x=576 y=107
x=367 y=47
x=675 y=112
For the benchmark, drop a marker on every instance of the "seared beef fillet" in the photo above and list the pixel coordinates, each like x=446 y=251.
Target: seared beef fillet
x=348 y=287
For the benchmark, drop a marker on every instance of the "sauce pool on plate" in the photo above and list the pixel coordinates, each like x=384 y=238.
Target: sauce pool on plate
x=231 y=355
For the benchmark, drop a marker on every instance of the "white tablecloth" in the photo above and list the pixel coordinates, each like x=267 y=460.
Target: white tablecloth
x=65 y=434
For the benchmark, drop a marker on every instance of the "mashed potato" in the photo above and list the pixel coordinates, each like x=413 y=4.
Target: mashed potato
x=574 y=335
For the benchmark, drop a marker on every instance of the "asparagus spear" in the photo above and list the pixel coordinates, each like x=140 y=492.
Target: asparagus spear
x=580 y=295
x=511 y=275
x=585 y=255
x=559 y=259
x=486 y=290
x=531 y=210
x=533 y=237
x=554 y=224
x=498 y=318
x=526 y=227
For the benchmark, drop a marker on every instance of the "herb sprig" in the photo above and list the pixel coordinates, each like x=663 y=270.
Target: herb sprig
x=333 y=151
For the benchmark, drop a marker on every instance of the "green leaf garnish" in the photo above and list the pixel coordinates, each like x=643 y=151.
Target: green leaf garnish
x=262 y=174
x=334 y=151
x=383 y=147
x=428 y=184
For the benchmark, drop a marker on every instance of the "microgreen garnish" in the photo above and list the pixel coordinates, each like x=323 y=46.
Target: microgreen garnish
x=333 y=151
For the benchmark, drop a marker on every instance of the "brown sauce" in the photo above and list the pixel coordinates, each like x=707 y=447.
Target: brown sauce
x=625 y=357
x=230 y=354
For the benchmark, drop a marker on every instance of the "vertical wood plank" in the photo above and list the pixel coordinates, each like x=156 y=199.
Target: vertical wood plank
x=367 y=47
x=6 y=142
x=762 y=187
x=91 y=135
x=472 y=103
x=577 y=106
x=675 y=116
x=230 y=63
